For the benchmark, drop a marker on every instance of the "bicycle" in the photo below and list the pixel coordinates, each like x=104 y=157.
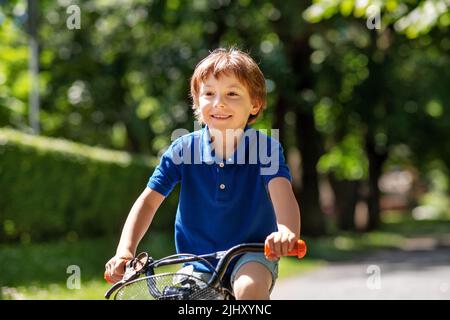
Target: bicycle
x=141 y=283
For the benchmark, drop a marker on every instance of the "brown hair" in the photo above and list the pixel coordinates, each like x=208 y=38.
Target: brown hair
x=234 y=61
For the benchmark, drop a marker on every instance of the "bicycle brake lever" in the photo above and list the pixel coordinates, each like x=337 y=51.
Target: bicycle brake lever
x=130 y=270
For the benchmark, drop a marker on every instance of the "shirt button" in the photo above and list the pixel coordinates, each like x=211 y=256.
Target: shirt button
x=222 y=186
x=221 y=165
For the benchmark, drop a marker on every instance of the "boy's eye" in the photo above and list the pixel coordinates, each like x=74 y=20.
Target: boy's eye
x=233 y=94
x=208 y=93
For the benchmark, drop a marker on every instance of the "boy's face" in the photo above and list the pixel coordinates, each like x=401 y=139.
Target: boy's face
x=225 y=103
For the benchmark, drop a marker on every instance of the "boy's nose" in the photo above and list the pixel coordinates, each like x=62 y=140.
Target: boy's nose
x=218 y=102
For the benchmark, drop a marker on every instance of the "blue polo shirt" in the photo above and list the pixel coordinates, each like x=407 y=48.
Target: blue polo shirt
x=222 y=202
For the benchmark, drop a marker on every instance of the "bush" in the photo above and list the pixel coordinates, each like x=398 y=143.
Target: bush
x=51 y=188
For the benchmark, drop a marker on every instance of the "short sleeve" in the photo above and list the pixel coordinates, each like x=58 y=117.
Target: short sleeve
x=168 y=172
x=275 y=164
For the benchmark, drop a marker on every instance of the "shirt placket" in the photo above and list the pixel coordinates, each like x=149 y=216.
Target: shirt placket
x=223 y=187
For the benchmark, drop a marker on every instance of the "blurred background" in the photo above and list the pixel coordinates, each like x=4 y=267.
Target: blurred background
x=91 y=91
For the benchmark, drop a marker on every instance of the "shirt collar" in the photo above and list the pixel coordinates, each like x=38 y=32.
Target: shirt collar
x=208 y=154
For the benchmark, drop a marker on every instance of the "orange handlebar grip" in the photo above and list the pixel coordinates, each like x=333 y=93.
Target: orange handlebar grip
x=107 y=278
x=299 y=250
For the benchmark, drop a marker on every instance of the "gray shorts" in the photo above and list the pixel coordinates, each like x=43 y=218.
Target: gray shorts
x=272 y=266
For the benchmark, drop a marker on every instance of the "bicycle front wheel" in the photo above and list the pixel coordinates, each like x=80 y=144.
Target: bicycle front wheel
x=168 y=286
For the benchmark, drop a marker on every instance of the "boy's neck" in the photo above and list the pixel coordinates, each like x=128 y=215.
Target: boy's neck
x=225 y=141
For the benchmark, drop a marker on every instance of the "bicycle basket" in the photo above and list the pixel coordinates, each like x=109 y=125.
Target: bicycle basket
x=167 y=286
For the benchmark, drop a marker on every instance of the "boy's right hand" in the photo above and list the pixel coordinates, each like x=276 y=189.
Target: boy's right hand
x=115 y=268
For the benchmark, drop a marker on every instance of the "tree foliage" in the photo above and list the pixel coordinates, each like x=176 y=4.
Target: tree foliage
x=359 y=82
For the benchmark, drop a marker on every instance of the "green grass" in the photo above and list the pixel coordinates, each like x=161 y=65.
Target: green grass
x=405 y=225
x=39 y=271
x=89 y=290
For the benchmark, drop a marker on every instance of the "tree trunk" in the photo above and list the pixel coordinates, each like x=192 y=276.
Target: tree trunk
x=345 y=199
x=313 y=219
x=376 y=161
x=279 y=117
x=33 y=99
x=294 y=35
x=127 y=112
x=308 y=140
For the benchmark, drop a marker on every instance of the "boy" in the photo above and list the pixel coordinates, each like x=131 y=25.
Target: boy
x=229 y=194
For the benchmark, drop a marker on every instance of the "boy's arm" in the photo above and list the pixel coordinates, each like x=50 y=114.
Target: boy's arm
x=138 y=222
x=288 y=216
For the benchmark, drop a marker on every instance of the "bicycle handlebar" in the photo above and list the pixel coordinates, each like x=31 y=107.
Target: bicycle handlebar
x=299 y=251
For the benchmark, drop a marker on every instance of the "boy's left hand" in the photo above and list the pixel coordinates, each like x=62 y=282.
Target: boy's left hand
x=280 y=243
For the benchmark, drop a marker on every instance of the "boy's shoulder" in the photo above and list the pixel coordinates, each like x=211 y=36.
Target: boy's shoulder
x=187 y=138
x=263 y=137
x=265 y=134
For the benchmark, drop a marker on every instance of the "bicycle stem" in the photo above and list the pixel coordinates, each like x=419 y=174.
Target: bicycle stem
x=222 y=266
x=187 y=258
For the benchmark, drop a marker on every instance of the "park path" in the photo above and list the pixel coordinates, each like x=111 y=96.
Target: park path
x=420 y=270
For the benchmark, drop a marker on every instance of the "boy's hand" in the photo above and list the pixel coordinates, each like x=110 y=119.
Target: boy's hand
x=115 y=268
x=280 y=243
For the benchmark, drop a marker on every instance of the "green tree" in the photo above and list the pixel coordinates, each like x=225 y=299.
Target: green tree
x=383 y=80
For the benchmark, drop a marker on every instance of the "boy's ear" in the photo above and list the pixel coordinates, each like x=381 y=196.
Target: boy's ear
x=255 y=109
